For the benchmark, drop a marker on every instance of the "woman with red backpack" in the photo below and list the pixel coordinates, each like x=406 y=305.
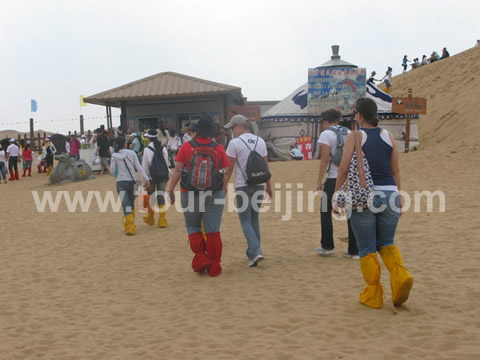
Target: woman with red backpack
x=200 y=164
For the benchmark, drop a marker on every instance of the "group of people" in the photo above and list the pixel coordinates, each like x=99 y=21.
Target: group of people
x=370 y=230
x=386 y=78
x=416 y=63
x=203 y=167
x=16 y=153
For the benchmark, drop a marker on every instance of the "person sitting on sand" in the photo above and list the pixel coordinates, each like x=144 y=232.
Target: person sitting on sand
x=445 y=53
x=375 y=226
x=295 y=154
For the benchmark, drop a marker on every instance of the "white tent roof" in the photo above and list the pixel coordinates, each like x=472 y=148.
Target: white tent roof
x=294 y=107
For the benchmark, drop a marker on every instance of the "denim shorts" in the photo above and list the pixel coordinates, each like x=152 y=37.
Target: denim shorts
x=375 y=227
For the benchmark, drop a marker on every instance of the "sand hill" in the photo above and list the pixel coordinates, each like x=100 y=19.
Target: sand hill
x=15 y=133
x=452 y=89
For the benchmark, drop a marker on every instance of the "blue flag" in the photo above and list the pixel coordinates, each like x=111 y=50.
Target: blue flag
x=33 y=105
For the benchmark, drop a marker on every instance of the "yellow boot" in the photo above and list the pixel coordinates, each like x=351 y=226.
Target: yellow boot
x=129 y=224
x=162 y=221
x=372 y=295
x=149 y=217
x=401 y=280
x=49 y=170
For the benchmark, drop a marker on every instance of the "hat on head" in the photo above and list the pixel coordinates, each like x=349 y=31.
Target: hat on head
x=84 y=136
x=151 y=134
x=236 y=120
x=133 y=134
x=374 y=72
x=204 y=127
x=12 y=140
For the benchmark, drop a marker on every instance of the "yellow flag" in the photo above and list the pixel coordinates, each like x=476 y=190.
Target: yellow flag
x=81 y=101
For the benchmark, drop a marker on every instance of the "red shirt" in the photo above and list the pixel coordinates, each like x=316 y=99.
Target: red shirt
x=27 y=154
x=186 y=152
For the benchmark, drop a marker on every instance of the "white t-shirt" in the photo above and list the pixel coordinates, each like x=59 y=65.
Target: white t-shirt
x=238 y=149
x=174 y=143
x=329 y=138
x=13 y=150
x=186 y=138
x=2 y=156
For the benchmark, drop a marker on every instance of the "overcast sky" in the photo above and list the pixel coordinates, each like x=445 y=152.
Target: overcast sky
x=53 y=51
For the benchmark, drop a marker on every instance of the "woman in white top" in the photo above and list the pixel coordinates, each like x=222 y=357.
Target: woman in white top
x=157 y=184
x=163 y=135
x=3 y=167
x=126 y=162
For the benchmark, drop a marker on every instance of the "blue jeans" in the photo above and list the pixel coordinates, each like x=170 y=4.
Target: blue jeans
x=3 y=170
x=249 y=201
x=375 y=227
x=128 y=199
x=203 y=206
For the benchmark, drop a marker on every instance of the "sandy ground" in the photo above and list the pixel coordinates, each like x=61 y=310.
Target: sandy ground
x=72 y=286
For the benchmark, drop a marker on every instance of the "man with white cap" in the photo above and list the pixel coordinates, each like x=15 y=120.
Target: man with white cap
x=249 y=197
x=83 y=142
x=13 y=154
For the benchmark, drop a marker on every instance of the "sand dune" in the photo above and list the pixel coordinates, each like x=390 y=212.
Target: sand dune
x=72 y=286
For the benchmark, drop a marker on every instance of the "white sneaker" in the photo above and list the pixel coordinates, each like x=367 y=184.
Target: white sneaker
x=354 y=257
x=324 y=252
x=255 y=261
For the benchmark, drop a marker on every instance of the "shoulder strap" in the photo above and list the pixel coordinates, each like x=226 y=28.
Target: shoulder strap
x=357 y=135
x=248 y=146
x=125 y=161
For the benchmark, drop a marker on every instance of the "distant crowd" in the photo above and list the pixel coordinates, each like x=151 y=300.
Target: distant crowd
x=416 y=63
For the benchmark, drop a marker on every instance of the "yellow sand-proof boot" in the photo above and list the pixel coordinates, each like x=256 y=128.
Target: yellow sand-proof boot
x=129 y=224
x=149 y=217
x=372 y=295
x=162 y=221
x=401 y=280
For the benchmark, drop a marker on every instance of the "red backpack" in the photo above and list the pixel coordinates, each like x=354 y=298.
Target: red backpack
x=202 y=171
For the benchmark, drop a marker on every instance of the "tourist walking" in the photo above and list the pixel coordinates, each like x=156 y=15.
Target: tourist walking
x=103 y=150
x=249 y=194
x=387 y=79
x=27 y=160
x=375 y=226
x=156 y=165
x=331 y=143
x=50 y=151
x=126 y=162
x=202 y=195
x=13 y=156
x=3 y=164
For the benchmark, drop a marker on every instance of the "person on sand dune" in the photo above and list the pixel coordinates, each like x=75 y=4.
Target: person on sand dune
x=375 y=226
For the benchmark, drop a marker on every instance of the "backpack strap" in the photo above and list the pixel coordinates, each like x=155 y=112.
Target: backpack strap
x=250 y=152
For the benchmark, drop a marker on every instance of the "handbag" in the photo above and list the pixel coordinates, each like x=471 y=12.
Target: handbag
x=357 y=190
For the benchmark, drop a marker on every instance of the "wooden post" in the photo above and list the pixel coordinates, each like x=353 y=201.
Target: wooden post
x=81 y=125
x=32 y=143
x=407 y=127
